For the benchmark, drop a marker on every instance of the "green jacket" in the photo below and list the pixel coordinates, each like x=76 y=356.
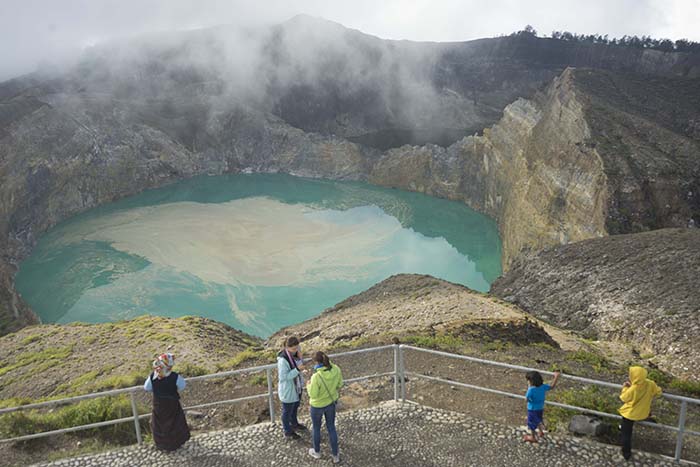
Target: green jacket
x=321 y=395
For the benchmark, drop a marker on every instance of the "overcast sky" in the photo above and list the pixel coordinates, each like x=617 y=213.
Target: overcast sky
x=45 y=31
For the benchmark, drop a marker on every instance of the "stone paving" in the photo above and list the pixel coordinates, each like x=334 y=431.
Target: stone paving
x=401 y=434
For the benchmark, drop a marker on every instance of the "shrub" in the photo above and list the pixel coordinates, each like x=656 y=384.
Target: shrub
x=598 y=362
x=188 y=369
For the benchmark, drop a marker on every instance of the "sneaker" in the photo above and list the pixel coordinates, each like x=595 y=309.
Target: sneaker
x=300 y=427
x=314 y=454
x=336 y=459
x=292 y=435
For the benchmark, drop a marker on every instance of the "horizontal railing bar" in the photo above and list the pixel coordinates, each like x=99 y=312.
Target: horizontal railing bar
x=525 y=368
x=68 y=400
x=367 y=350
x=230 y=401
x=224 y=374
x=363 y=378
x=520 y=396
x=68 y=430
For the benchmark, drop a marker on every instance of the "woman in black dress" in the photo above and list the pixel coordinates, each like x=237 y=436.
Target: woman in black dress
x=168 y=423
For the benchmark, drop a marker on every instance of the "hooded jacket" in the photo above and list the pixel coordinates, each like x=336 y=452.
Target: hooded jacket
x=290 y=379
x=324 y=385
x=638 y=396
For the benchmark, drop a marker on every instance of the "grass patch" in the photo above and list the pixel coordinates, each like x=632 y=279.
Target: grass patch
x=72 y=386
x=596 y=361
x=258 y=380
x=446 y=342
x=686 y=386
x=188 y=369
x=85 y=412
x=497 y=345
x=89 y=339
x=134 y=378
x=666 y=381
x=46 y=358
x=29 y=339
x=245 y=356
x=542 y=345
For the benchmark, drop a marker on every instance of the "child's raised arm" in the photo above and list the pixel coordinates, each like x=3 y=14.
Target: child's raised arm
x=555 y=380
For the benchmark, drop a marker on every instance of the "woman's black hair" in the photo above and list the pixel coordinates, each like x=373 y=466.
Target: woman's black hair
x=322 y=358
x=291 y=341
x=534 y=377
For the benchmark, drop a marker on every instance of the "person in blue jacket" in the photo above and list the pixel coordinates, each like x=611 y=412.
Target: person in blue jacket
x=290 y=364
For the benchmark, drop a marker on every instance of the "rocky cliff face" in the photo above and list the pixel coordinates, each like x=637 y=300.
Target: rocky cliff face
x=572 y=163
x=639 y=289
x=586 y=155
x=532 y=171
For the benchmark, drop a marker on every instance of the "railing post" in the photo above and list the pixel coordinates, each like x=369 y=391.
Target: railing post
x=402 y=374
x=681 y=429
x=137 y=425
x=396 y=372
x=270 y=395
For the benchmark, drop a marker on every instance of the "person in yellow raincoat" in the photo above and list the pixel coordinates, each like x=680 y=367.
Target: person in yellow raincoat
x=637 y=395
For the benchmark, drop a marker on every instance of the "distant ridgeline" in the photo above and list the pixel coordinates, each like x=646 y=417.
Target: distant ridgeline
x=644 y=42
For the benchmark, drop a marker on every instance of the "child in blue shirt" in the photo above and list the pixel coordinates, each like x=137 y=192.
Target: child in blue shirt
x=535 y=395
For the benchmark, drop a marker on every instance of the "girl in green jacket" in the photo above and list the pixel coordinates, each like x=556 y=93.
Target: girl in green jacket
x=323 y=394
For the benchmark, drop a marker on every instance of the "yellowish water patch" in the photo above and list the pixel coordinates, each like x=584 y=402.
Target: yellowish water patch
x=253 y=241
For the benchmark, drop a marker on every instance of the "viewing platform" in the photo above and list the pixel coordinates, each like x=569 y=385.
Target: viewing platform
x=390 y=434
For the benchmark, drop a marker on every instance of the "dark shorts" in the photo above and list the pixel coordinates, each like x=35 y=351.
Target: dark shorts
x=534 y=418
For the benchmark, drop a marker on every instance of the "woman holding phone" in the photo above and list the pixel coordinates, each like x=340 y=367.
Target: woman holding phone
x=290 y=364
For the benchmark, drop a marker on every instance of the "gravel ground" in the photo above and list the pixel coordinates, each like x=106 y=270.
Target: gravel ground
x=403 y=434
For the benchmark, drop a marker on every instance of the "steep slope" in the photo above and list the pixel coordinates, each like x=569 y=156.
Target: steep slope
x=639 y=289
x=82 y=358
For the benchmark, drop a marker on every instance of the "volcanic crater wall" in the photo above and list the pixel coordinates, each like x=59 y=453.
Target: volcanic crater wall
x=585 y=156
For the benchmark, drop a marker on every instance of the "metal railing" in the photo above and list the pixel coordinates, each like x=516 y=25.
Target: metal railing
x=399 y=374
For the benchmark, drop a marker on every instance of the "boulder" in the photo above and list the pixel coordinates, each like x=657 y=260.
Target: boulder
x=587 y=425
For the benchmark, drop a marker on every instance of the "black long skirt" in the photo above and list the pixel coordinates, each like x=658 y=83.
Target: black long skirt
x=168 y=424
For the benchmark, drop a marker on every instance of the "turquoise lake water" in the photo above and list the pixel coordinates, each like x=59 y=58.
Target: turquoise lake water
x=257 y=252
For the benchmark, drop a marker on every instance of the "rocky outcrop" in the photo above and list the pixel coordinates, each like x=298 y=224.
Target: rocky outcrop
x=640 y=289
x=596 y=153
x=532 y=171
x=411 y=305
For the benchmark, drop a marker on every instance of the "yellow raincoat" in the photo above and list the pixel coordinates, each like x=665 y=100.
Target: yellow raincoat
x=638 y=396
